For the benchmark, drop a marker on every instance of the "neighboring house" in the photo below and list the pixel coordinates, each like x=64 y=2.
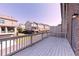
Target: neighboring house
x=7 y=25
x=43 y=27
x=28 y=25
x=36 y=26
x=31 y=26
x=55 y=30
x=46 y=27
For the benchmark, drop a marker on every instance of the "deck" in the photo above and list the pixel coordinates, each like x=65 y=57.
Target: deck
x=51 y=46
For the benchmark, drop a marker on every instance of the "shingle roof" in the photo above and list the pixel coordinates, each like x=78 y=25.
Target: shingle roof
x=8 y=18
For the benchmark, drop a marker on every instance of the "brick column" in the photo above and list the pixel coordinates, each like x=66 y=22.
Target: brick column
x=77 y=41
x=75 y=35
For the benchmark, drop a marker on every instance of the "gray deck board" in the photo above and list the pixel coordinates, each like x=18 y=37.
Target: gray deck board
x=51 y=46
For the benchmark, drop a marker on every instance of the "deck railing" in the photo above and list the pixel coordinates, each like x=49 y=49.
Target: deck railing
x=12 y=45
x=58 y=34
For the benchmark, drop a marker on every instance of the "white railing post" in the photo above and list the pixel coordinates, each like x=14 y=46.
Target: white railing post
x=42 y=36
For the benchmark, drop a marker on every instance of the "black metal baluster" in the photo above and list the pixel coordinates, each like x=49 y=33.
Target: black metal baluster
x=6 y=47
x=16 y=40
x=31 y=40
x=10 y=46
x=42 y=36
x=19 y=43
x=13 y=45
x=24 y=42
x=1 y=49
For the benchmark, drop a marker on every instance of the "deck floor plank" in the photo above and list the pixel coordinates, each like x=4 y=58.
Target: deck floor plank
x=51 y=46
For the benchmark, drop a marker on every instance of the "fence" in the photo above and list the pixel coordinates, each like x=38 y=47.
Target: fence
x=12 y=45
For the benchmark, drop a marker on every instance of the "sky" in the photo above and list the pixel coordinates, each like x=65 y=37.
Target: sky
x=47 y=13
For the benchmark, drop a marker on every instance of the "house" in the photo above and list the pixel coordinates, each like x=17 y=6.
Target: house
x=7 y=26
x=46 y=27
x=70 y=24
x=37 y=27
x=43 y=27
x=28 y=25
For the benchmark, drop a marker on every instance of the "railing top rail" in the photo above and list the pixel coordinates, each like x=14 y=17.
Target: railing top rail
x=58 y=32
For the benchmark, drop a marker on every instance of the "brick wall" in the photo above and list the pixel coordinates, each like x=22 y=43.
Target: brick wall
x=69 y=10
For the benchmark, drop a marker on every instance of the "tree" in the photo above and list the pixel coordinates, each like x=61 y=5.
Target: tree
x=19 y=29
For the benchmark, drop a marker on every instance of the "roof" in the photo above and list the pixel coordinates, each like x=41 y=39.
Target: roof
x=6 y=26
x=8 y=18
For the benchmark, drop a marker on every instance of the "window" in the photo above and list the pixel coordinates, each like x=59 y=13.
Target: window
x=10 y=29
x=2 y=29
x=1 y=21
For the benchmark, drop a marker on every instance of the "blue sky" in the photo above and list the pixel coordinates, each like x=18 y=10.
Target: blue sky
x=48 y=13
